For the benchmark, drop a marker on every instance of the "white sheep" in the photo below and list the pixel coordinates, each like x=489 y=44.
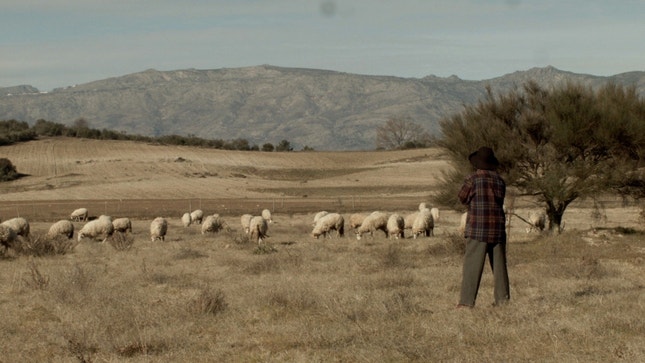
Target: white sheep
x=258 y=228
x=8 y=236
x=537 y=221
x=355 y=220
x=186 y=219
x=245 y=220
x=423 y=224
x=409 y=219
x=79 y=215
x=196 y=216
x=435 y=214
x=101 y=226
x=122 y=225
x=61 y=228
x=395 y=226
x=372 y=223
x=327 y=223
x=158 y=229
x=422 y=206
x=213 y=223
x=19 y=225
x=266 y=214
x=318 y=216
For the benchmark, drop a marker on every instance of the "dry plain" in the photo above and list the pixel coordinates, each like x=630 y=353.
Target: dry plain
x=577 y=296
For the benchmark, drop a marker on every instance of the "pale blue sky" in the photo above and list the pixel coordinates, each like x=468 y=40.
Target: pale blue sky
x=57 y=43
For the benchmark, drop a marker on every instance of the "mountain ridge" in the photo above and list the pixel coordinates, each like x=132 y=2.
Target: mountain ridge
x=322 y=109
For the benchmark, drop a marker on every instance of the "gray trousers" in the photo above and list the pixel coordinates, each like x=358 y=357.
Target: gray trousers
x=474 y=260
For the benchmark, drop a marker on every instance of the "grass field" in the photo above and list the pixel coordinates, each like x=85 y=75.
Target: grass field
x=575 y=297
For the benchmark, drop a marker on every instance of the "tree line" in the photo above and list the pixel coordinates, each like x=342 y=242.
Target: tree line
x=12 y=131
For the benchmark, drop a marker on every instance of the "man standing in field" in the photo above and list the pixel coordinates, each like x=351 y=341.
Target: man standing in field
x=483 y=192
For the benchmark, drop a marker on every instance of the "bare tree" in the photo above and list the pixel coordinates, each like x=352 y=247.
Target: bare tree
x=401 y=133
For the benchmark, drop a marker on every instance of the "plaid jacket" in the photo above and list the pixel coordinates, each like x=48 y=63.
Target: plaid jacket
x=483 y=192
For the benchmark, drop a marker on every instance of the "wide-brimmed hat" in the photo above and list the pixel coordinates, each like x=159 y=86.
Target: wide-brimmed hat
x=484 y=158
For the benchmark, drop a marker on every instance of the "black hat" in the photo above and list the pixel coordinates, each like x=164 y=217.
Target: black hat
x=484 y=158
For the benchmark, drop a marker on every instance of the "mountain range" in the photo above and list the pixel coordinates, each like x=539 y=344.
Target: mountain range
x=321 y=109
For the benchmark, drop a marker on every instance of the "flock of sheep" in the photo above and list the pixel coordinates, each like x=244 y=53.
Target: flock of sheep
x=419 y=223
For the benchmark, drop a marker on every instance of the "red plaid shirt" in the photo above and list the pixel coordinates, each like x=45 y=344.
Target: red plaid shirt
x=483 y=192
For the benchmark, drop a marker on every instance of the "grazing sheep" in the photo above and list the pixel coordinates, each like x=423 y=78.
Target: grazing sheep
x=19 y=225
x=318 y=216
x=79 y=215
x=245 y=220
x=213 y=224
x=61 y=228
x=435 y=214
x=196 y=216
x=537 y=221
x=102 y=226
x=423 y=224
x=8 y=236
x=462 y=223
x=266 y=214
x=395 y=226
x=409 y=220
x=258 y=228
x=122 y=225
x=355 y=220
x=186 y=219
x=329 y=222
x=158 y=229
x=372 y=223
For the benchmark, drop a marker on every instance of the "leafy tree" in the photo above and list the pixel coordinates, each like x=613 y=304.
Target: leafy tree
x=284 y=145
x=557 y=145
x=47 y=128
x=7 y=170
x=401 y=133
x=81 y=123
x=268 y=147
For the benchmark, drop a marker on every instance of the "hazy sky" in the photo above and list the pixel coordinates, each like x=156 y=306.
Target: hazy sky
x=57 y=43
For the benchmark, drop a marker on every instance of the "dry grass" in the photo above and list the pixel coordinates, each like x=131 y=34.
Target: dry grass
x=222 y=298
x=576 y=296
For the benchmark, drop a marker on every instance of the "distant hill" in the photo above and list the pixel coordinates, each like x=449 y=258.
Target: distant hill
x=325 y=110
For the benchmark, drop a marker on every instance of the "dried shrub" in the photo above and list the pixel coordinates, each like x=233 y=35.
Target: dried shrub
x=40 y=245
x=121 y=241
x=242 y=239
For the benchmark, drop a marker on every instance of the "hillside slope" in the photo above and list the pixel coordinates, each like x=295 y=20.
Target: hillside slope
x=82 y=169
x=322 y=109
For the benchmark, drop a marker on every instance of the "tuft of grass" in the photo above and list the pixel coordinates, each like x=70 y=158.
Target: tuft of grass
x=264 y=249
x=188 y=254
x=209 y=302
x=453 y=244
x=81 y=349
x=35 y=279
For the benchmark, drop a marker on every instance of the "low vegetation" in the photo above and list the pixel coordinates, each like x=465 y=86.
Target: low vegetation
x=575 y=296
